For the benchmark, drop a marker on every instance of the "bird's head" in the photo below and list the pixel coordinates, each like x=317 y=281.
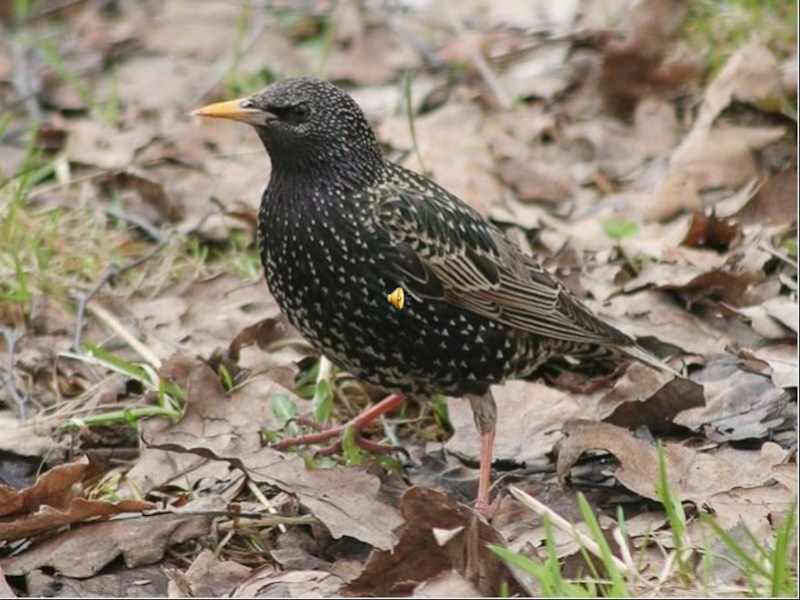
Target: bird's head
x=307 y=125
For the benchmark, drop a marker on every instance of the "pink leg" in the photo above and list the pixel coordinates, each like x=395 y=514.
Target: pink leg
x=357 y=423
x=484 y=477
x=484 y=411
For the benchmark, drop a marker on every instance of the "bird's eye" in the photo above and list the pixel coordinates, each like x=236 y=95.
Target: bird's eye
x=300 y=113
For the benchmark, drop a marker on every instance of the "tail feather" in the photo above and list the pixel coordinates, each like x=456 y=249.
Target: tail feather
x=644 y=356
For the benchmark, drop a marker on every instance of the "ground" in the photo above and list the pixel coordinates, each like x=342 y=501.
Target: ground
x=645 y=152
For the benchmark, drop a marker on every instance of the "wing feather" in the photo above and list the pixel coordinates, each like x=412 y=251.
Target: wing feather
x=448 y=251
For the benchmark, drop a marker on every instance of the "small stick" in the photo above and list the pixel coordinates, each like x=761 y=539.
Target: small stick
x=254 y=489
x=12 y=337
x=560 y=522
x=111 y=271
x=770 y=249
x=118 y=328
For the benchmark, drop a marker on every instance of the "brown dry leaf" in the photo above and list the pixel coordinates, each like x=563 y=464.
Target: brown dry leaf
x=100 y=145
x=540 y=72
x=371 y=53
x=152 y=203
x=468 y=173
x=209 y=577
x=142 y=582
x=84 y=551
x=529 y=420
x=784 y=310
x=634 y=68
x=727 y=287
x=51 y=503
x=533 y=182
x=692 y=475
x=654 y=313
x=47 y=518
x=758 y=508
x=775 y=202
x=448 y=584
x=266 y=582
x=54 y=488
x=24 y=439
x=708 y=231
x=739 y=404
x=438 y=536
x=204 y=315
x=719 y=155
x=262 y=334
x=782 y=359
x=644 y=396
x=229 y=429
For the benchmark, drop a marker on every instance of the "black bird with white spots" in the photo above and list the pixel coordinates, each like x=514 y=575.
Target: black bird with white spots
x=340 y=227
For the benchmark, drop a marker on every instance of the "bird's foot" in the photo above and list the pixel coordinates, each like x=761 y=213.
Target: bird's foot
x=482 y=508
x=338 y=433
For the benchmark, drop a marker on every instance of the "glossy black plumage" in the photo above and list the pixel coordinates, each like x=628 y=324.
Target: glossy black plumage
x=340 y=228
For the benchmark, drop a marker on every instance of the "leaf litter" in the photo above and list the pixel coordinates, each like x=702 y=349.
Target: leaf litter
x=662 y=193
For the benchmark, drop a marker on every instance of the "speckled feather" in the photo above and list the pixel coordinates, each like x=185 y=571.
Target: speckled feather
x=340 y=228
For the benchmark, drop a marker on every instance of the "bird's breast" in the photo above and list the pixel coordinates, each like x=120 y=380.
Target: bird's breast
x=331 y=273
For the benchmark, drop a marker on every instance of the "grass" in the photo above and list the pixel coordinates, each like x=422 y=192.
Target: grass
x=719 y=28
x=767 y=568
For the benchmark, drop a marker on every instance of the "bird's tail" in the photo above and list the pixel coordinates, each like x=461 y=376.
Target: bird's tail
x=644 y=356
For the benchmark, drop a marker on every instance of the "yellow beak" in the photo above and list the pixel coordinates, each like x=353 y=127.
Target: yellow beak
x=235 y=110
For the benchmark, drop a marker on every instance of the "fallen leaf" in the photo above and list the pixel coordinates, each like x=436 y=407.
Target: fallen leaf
x=209 y=577
x=529 y=419
x=644 y=396
x=54 y=488
x=784 y=310
x=418 y=557
x=268 y=583
x=47 y=518
x=655 y=314
x=84 y=551
x=23 y=439
x=448 y=584
x=468 y=173
x=782 y=359
x=153 y=204
x=710 y=232
x=634 y=67
x=98 y=144
x=229 y=429
x=148 y=582
x=692 y=475
x=739 y=404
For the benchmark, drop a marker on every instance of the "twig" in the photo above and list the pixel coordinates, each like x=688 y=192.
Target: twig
x=110 y=272
x=492 y=82
x=12 y=336
x=560 y=522
x=138 y=222
x=118 y=328
x=770 y=249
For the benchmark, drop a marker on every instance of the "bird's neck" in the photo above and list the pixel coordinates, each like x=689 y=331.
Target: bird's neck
x=342 y=165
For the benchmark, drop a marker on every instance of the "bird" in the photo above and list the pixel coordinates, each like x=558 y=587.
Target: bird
x=340 y=227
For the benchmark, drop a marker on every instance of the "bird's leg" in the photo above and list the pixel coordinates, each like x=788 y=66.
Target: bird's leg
x=357 y=424
x=484 y=411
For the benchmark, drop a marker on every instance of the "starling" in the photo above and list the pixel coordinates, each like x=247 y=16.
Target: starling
x=340 y=227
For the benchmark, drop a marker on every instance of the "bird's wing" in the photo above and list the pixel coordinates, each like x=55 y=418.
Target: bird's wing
x=447 y=251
